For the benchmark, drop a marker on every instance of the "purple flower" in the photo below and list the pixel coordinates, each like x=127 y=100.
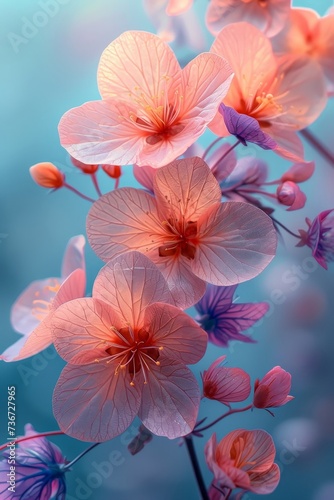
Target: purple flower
x=245 y=128
x=222 y=319
x=39 y=470
x=320 y=237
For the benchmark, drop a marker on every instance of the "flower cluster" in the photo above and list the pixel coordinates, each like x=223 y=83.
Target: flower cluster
x=197 y=227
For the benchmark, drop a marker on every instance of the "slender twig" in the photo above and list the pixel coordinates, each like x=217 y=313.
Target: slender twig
x=284 y=227
x=26 y=438
x=212 y=145
x=196 y=468
x=96 y=184
x=81 y=455
x=230 y=412
x=225 y=154
x=321 y=148
x=71 y=188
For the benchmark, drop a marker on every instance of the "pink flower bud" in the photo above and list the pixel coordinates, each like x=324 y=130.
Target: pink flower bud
x=289 y=194
x=114 y=171
x=227 y=385
x=273 y=390
x=47 y=175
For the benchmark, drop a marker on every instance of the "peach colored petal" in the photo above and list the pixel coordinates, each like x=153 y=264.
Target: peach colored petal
x=40 y=337
x=205 y=82
x=93 y=404
x=289 y=144
x=130 y=216
x=236 y=242
x=301 y=91
x=185 y=189
x=130 y=283
x=224 y=384
x=176 y=7
x=13 y=351
x=266 y=482
x=186 y=288
x=74 y=257
x=23 y=318
x=145 y=175
x=137 y=66
x=250 y=55
x=256 y=452
x=170 y=401
x=325 y=46
x=82 y=330
x=179 y=335
x=101 y=132
x=299 y=172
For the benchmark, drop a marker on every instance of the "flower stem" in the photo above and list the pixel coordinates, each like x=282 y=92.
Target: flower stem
x=212 y=145
x=196 y=468
x=81 y=455
x=26 y=438
x=71 y=188
x=318 y=146
x=96 y=184
x=225 y=154
x=284 y=227
x=230 y=412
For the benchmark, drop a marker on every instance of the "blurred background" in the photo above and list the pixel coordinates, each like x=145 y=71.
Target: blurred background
x=48 y=69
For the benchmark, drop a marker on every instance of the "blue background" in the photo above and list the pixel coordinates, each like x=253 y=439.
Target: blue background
x=42 y=78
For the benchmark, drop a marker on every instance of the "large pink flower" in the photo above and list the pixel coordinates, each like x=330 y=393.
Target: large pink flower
x=32 y=311
x=152 y=110
x=267 y=15
x=127 y=348
x=185 y=230
x=283 y=94
x=306 y=33
x=244 y=459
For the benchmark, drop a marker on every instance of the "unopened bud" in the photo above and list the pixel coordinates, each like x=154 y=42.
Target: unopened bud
x=86 y=169
x=47 y=175
x=113 y=171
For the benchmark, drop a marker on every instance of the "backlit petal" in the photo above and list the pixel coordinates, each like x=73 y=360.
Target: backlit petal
x=74 y=256
x=170 y=401
x=179 y=335
x=91 y=403
x=237 y=241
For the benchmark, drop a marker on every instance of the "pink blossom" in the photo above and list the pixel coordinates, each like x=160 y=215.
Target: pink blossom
x=307 y=34
x=290 y=194
x=152 y=110
x=273 y=390
x=283 y=94
x=268 y=16
x=185 y=230
x=243 y=459
x=227 y=385
x=32 y=312
x=127 y=348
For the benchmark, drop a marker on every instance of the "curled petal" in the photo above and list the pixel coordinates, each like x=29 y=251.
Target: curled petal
x=289 y=194
x=74 y=256
x=299 y=172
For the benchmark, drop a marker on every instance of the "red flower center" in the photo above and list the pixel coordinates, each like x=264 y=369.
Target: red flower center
x=184 y=240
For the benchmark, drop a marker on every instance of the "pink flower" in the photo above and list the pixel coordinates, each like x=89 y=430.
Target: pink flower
x=273 y=390
x=283 y=94
x=152 y=110
x=308 y=34
x=320 y=237
x=244 y=459
x=268 y=16
x=127 y=348
x=290 y=194
x=176 y=7
x=185 y=230
x=227 y=385
x=32 y=312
